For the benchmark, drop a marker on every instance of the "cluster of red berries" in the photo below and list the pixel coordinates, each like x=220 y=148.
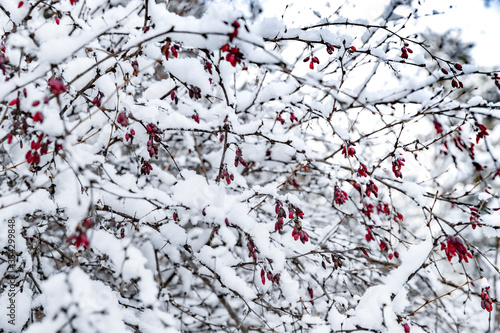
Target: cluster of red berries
x=146 y=167
x=239 y=159
x=396 y=166
x=329 y=48
x=80 y=236
x=367 y=209
x=398 y=217
x=299 y=233
x=371 y=188
x=208 y=67
x=482 y=131
x=383 y=208
x=234 y=56
x=234 y=34
x=98 y=99
x=298 y=212
x=486 y=301
x=56 y=86
x=252 y=250
x=227 y=176
x=454 y=246
x=135 y=67
x=33 y=156
x=122 y=119
x=405 y=50
x=312 y=60
x=270 y=276
x=280 y=211
x=282 y=121
x=196 y=117
x=383 y=246
x=339 y=196
x=348 y=150
x=456 y=84
x=474 y=217
x=438 y=127
x=392 y=255
x=369 y=235
x=194 y=92
x=167 y=48
x=336 y=260
x=362 y=171
x=130 y=135
x=356 y=185
x=153 y=132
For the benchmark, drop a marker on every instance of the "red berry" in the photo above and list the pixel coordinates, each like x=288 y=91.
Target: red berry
x=38 y=117
x=88 y=223
x=122 y=119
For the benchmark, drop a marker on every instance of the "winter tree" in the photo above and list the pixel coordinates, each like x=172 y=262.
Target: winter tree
x=182 y=168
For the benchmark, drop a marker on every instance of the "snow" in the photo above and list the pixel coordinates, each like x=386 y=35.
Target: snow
x=174 y=233
x=93 y=298
x=414 y=191
x=377 y=300
x=145 y=270
x=379 y=53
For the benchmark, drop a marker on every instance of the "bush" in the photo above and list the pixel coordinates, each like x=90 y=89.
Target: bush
x=165 y=172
